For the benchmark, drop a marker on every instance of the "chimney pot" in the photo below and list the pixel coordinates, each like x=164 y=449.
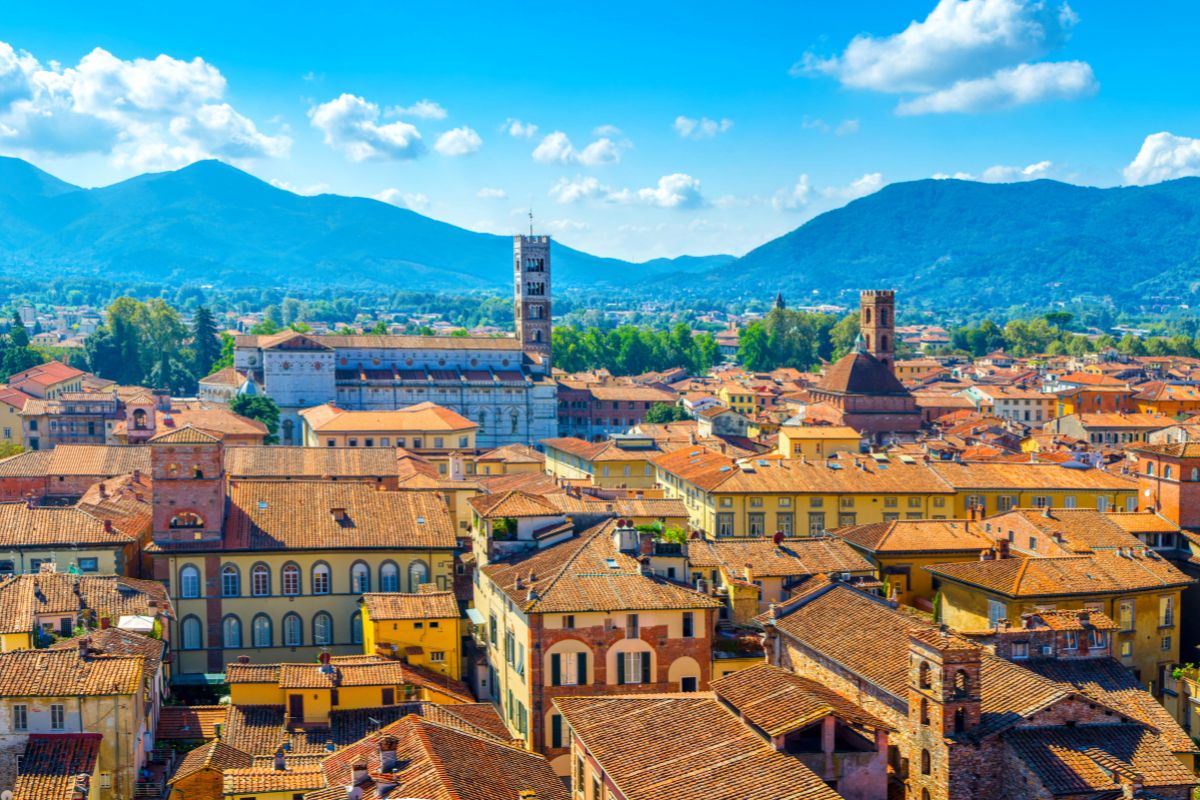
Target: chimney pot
x=108 y=526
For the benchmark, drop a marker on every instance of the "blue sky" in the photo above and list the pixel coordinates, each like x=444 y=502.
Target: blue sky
x=661 y=129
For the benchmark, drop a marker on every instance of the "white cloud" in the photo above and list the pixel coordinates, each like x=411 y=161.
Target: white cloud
x=422 y=109
x=458 y=142
x=307 y=191
x=794 y=197
x=146 y=113
x=488 y=193
x=702 y=128
x=846 y=127
x=1164 y=156
x=843 y=128
x=861 y=187
x=607 y=130
x=1002 y=173
x=567 y=225
x=581 y=188
x=414 y=201
x=351 y=124
x=518 y=129
x=1017 y=86
x=556 y=148
x=966 y=55
x=677 y=190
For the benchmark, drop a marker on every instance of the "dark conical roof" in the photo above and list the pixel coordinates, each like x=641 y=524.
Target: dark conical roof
x=861 y=373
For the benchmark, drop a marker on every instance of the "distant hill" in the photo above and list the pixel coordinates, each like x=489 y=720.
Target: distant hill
x=212 y=222
x=950 y=243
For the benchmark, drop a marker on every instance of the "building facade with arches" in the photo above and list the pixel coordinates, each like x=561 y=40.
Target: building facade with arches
x=503 y=384
x=274 y=570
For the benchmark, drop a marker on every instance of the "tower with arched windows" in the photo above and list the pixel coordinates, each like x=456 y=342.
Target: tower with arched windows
x=943 y=706
x=531 y=276
x=189 y=485
x=877 y=323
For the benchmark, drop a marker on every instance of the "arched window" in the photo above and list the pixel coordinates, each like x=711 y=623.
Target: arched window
x=187 y=519
x=1150 y=468
x=925 y=795
x=322 y=629
x=537 y=336
x=418 y=573
x=360 y=578
x=261 y=631
x=1195 y=474
x=883 y=343
x=1167 y=472
x=231 y=632
x=923 y=679
x=482 y=418
x=960 y=720
x=513 y=419
x=293 y=631
x=288 y=431
x=192 y=634
x=189 y=582
x=197 y=473
x=961 y=683
x=924 y=711
x=231 y=581
x=320 y=578
x=389 y=577
x=260 y=580
x=883 y=316
x=926 y=763
x=139 y=419
x=291 y=579
x=356 y=635
x=867 y=315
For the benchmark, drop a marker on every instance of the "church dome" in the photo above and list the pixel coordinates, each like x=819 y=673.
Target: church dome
x=861 y=373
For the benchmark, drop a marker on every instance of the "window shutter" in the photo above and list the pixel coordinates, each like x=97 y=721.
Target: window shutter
x=620 y=668
x=646 y=676
x=556 y=731
x=555 y=669
x=581 y=676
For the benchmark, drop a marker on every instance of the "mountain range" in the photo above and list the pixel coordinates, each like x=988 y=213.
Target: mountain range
x=942 y=243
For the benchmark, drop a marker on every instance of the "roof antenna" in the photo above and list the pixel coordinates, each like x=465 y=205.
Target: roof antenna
x=531 y=222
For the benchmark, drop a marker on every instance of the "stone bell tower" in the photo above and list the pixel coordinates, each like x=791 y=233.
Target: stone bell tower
x=878 y=324
x=531 y=277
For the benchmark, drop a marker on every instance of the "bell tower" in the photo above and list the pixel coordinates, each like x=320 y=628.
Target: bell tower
x=877 y=323
x=531 y=277
x=943 y=704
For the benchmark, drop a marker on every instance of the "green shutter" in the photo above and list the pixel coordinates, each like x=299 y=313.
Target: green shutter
x=555 y=669
x=620 y=668
x=556 y=731
x=581 y=676
x=646 y=676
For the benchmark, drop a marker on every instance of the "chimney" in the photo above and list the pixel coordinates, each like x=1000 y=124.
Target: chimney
x=29 y=500
x=108 y=528
x=359 y=774
x=243 y=659
x=339 y=514
x=644 y=565
x=137 y=476
x=1046 y=512
x=748 y=572
x=103 y=492
x=1002 y=548
x=987 y=555
x=280 y=760
x=85 y=647
x=387 y=754
x=646 y=543
x=105 y=623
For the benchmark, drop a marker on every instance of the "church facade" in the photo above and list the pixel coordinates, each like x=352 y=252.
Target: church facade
x=503 y=384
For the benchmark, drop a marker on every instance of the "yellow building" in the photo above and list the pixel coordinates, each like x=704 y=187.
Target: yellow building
x=1063 y=560
x=993 y=487
x=46 y=693
x=12 y=432
x=507 y=460
x=738 y=397
x=282 y=575
x=901 y=549
x=421 y=427
x=425 y=629
x=617 y=462
x=817 y=441
x=1168 y=399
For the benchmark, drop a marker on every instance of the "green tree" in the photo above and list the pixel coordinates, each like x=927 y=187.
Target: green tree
x=843 y=335
x=660 y=413
x=261 y=408
x=18 y=355
x=206 y=345
x=225 y=359
x=753 y=348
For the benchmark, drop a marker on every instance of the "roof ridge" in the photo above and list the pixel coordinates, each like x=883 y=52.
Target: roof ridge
x=435 y=760
x=584 y=541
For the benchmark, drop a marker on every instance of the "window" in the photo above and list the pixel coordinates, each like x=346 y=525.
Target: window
x=492 y=629
x=320 y=579
x=1165 y=644
x=418 y=574
x=1033 y=543
x=1020 y=650
x=1042 y=501
x=20 y=717
x=189 y=582
x=89 y=565
x=293 y=631
x=556 y=731
x=1102 y=504
x=291 y=579
x=633 y=668
x=924 y=711
x=757 y=523
x=725 y=524
x=568 y=622
x=389 y=577
x=356 y=629
x=846 y=520
x=260 y=580
x=360 y=578
x=786 y=502
x=191 y=633
x=231 y=581
x=1069 y=501
x=1126 y=649
x=322 y=629
x=1166 y=611
x=1072 y=640
x=231 y=632
x=785 y=522
x=914 y=502
x=437 y=656
x=996 y=612
x=689 y=624
x=1167 y=472
x=1125 y=615
x=260 y=631
x=891 y=502
x=387 y=696
x=926 y=763
x=939 y=502
x=58 y=717
x=187 y=519
x=756 y=502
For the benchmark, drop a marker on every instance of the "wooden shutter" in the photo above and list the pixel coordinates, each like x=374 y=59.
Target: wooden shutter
x=555 y=669
x=646 y=676
x=556 y=731
x=620 y=668
x=581 y=676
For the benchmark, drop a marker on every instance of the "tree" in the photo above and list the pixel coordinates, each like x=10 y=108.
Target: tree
x=18 y=355
x=261 y=408
x=753 y=348
x=226 y=358
x=380 y=328
x=661 y=413
x=1059 y=319
x=206 y=346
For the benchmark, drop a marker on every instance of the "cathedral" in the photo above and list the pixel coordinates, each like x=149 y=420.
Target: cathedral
x=504 y=384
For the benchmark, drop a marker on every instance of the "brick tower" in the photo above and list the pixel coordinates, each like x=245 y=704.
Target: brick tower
x=878 y=324
x=187 y=466
x=531 y=272
x=943 y=704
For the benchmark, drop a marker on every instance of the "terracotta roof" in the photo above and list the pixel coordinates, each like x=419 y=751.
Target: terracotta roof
x=97 y=460
x=212 y=755
x=375 y=672
x=1050 y=477
x=341 y=342
x=421 y=417
x=513 y=503
x=189 y=722
x=588 y=573
x=861 y=373
x=779 y=701
x=528 y=482
x=662 y=507
x=212 y=420
x=304 y=515
x=64 y=673
x=424 y=605
x=14 y=397
x=113 y=641
x=513 y=454
x=634 y=393
x=47 y=374
x=295 y=777
x=1173 y=449
x=635 y=739
x=22 y=597
x=1122 y=420
x=608 y=450
x=1076 y=530
x=229 y=376
x=52 y=762
x=50 y=526
x=1082 y=760
x=185 y=435
x=918 y=536
x=1104 y=572
x=309 y=462
x=791 y=558
x=1142 y=521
